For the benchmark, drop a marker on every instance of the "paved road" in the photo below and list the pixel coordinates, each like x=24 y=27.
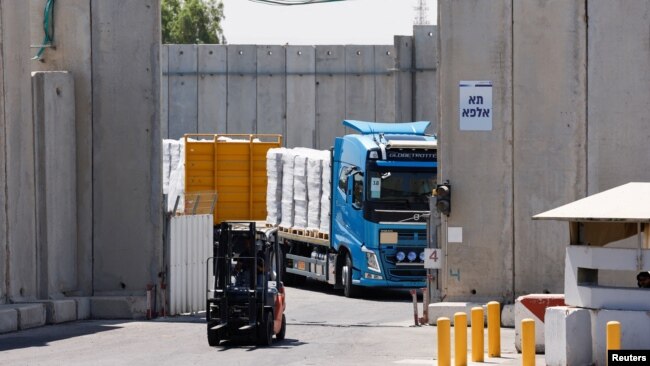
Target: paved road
x=324 y=328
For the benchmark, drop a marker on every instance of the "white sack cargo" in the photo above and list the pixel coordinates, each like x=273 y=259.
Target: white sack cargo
x=296 y=189
x=274 y=165
x=287 y=205
x=174 y=173
x=325 y=199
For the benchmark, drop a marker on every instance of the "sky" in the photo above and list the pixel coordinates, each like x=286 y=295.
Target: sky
x=340 y=22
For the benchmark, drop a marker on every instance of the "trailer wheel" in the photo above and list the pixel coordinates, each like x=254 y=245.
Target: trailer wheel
x=283 y=329
x=213 y=337
x=265 y=330
x=349 y=290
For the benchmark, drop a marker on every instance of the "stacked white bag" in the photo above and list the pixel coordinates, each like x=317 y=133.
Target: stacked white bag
x=174 y=173
x=274 y=165
x=287 y=207
x=325 y=199
x=298 y=189
x=314 y=189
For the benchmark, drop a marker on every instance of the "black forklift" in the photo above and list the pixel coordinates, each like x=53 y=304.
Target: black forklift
x=248 y=299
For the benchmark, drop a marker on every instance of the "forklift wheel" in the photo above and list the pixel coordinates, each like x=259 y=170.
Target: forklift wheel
x=265 y=330
x=283 y=329
x=213 y=337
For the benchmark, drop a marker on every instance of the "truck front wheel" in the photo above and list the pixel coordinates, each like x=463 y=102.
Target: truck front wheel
x=349 y=290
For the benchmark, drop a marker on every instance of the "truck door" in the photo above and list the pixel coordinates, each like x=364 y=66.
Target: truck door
x=355 y=202
x=341 y=200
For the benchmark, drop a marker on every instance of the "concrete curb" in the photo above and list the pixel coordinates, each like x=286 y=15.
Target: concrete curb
x=14 y=317
x=8 y=319
x=30 y=315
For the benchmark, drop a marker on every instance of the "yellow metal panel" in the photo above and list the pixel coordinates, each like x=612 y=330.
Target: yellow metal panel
x=235 y=169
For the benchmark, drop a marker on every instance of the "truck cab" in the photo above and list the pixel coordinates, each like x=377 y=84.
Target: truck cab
x=381 y=181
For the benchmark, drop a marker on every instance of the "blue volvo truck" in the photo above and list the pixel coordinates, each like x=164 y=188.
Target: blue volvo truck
x=382 y=179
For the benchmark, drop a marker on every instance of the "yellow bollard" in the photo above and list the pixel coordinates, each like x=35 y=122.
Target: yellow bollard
x=613 y=335
x=444 y=345
x=494 y=329
x=528 y=342
x=460 y=339
x=478 y=331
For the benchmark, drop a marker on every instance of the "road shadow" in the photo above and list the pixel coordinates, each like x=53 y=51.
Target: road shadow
x=250 y=345
x=43 y=336
x=197 y=318
x=365 y=293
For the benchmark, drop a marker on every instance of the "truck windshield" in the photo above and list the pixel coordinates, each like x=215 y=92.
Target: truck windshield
x=400 y=185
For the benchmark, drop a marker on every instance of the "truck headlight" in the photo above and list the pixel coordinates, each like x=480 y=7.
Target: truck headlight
x=371 y=259
x=412 y=256
x=400 y=256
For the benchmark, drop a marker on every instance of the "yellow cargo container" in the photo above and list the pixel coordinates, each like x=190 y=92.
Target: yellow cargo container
x=234 y=167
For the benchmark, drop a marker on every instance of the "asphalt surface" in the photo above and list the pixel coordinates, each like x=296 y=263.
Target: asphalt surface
x=323 y=328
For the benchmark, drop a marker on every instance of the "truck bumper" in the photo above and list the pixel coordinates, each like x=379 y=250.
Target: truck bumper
x=389 y=284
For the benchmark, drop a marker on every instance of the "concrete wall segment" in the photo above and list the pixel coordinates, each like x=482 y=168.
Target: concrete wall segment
x=550 y=131
x=425 y=76
x=271 y=90
x=73 y=53
x=385 y=84
x=403 y=65
x=183 y=94
x=127 y=176
x=19 y=138
x=4 y=326
x=359 y=83
x=330 y=94
x=301 y=96
x=242 y=89
x=619 y=85
x=476 y=161
x=164 y=91
x=213 y=86
x=56 y=182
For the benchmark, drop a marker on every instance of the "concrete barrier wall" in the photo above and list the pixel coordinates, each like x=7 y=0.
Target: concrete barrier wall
x=127 y=155
x=20 y=205
x=301 y=96
x=426 y=77
x=73 y=54
x=301 y=92
x=212 y=88
x=570 y=111
x=56 y=182
x=550 y=128
x=476 y=44
x=618 y=93
x=3 y=177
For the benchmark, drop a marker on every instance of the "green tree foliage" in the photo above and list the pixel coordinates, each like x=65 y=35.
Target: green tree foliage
x=192 y=21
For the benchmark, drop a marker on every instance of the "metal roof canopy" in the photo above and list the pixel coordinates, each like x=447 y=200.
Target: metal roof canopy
x=612 y=215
